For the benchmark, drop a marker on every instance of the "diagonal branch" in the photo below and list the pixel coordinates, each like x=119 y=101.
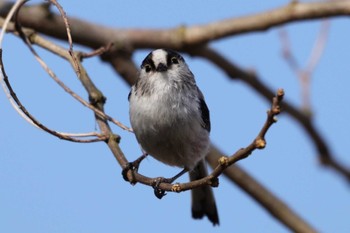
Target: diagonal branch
x=270 y=202
x=252 y=80
x=265 y=198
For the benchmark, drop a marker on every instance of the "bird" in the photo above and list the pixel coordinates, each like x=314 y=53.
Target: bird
x=171 y=122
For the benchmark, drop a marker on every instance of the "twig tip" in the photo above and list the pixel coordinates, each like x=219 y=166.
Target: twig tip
x=280 y=93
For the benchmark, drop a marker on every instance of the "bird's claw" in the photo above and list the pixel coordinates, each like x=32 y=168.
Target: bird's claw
x=134 y=166
x=158 y=192
x=127 y=167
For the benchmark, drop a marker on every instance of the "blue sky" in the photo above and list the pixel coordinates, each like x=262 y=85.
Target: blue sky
x=50 y=185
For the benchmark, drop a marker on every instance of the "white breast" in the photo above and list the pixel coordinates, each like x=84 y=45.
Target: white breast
x=167 y=124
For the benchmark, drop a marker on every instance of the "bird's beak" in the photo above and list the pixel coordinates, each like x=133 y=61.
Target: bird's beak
x=161 y=67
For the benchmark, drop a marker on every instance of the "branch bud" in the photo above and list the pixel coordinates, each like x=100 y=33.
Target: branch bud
x=260 y=143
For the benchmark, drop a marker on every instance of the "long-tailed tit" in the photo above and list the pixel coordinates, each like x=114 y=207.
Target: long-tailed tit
x=171 y=121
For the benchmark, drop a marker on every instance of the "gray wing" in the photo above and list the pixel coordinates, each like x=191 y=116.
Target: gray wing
x=204 y=112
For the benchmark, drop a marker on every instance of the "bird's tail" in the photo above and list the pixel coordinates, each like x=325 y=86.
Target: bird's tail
x=203 y=201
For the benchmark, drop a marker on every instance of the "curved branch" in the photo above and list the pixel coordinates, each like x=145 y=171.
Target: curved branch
x=224 y=162
x=17 y=103
x=30 y=37
x=65 y=136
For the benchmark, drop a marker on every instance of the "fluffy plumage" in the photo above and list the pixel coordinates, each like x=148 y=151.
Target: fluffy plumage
x=171 y=121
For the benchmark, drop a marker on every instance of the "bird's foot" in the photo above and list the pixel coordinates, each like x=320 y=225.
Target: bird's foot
x=134 y=166
x=158 y=192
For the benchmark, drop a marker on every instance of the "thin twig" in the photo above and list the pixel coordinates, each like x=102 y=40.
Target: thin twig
x=36 y=122
x=17 y=103
x=286 y=50
x=68 y=32
x=98 y=51
x=12 y=95
x=305 y=73
x=31 y=37
x=5 y=25
x=318 y=48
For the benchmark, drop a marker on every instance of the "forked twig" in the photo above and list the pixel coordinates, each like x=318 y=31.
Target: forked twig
x=305 y=73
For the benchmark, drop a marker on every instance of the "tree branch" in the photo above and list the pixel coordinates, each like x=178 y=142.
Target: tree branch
x=270 y=202
x=176 y=38
x=234 y=72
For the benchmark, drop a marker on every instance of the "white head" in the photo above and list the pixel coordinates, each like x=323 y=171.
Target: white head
x=166 y=62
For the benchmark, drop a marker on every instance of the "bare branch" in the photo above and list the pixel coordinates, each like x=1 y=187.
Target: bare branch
x=318 y=48
x=181 y=37
x=35 y=121
x=287 y=51
x=252 y=80
x=304 y=74
x=17 y=103
x=30 y=37
x=97 y=52
x=264 y=197
x=13 y=97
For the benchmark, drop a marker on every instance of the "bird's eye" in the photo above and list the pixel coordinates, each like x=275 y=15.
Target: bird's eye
x=148 y=68
x=174 y=60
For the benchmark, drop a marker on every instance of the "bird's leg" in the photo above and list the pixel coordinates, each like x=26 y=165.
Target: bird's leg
x=161 y=193
x=132 y=166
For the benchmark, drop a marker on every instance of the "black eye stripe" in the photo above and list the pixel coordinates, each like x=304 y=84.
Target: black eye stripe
x=172 y=54
x=148 y=68
x=174 y=60
x=148 y=61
